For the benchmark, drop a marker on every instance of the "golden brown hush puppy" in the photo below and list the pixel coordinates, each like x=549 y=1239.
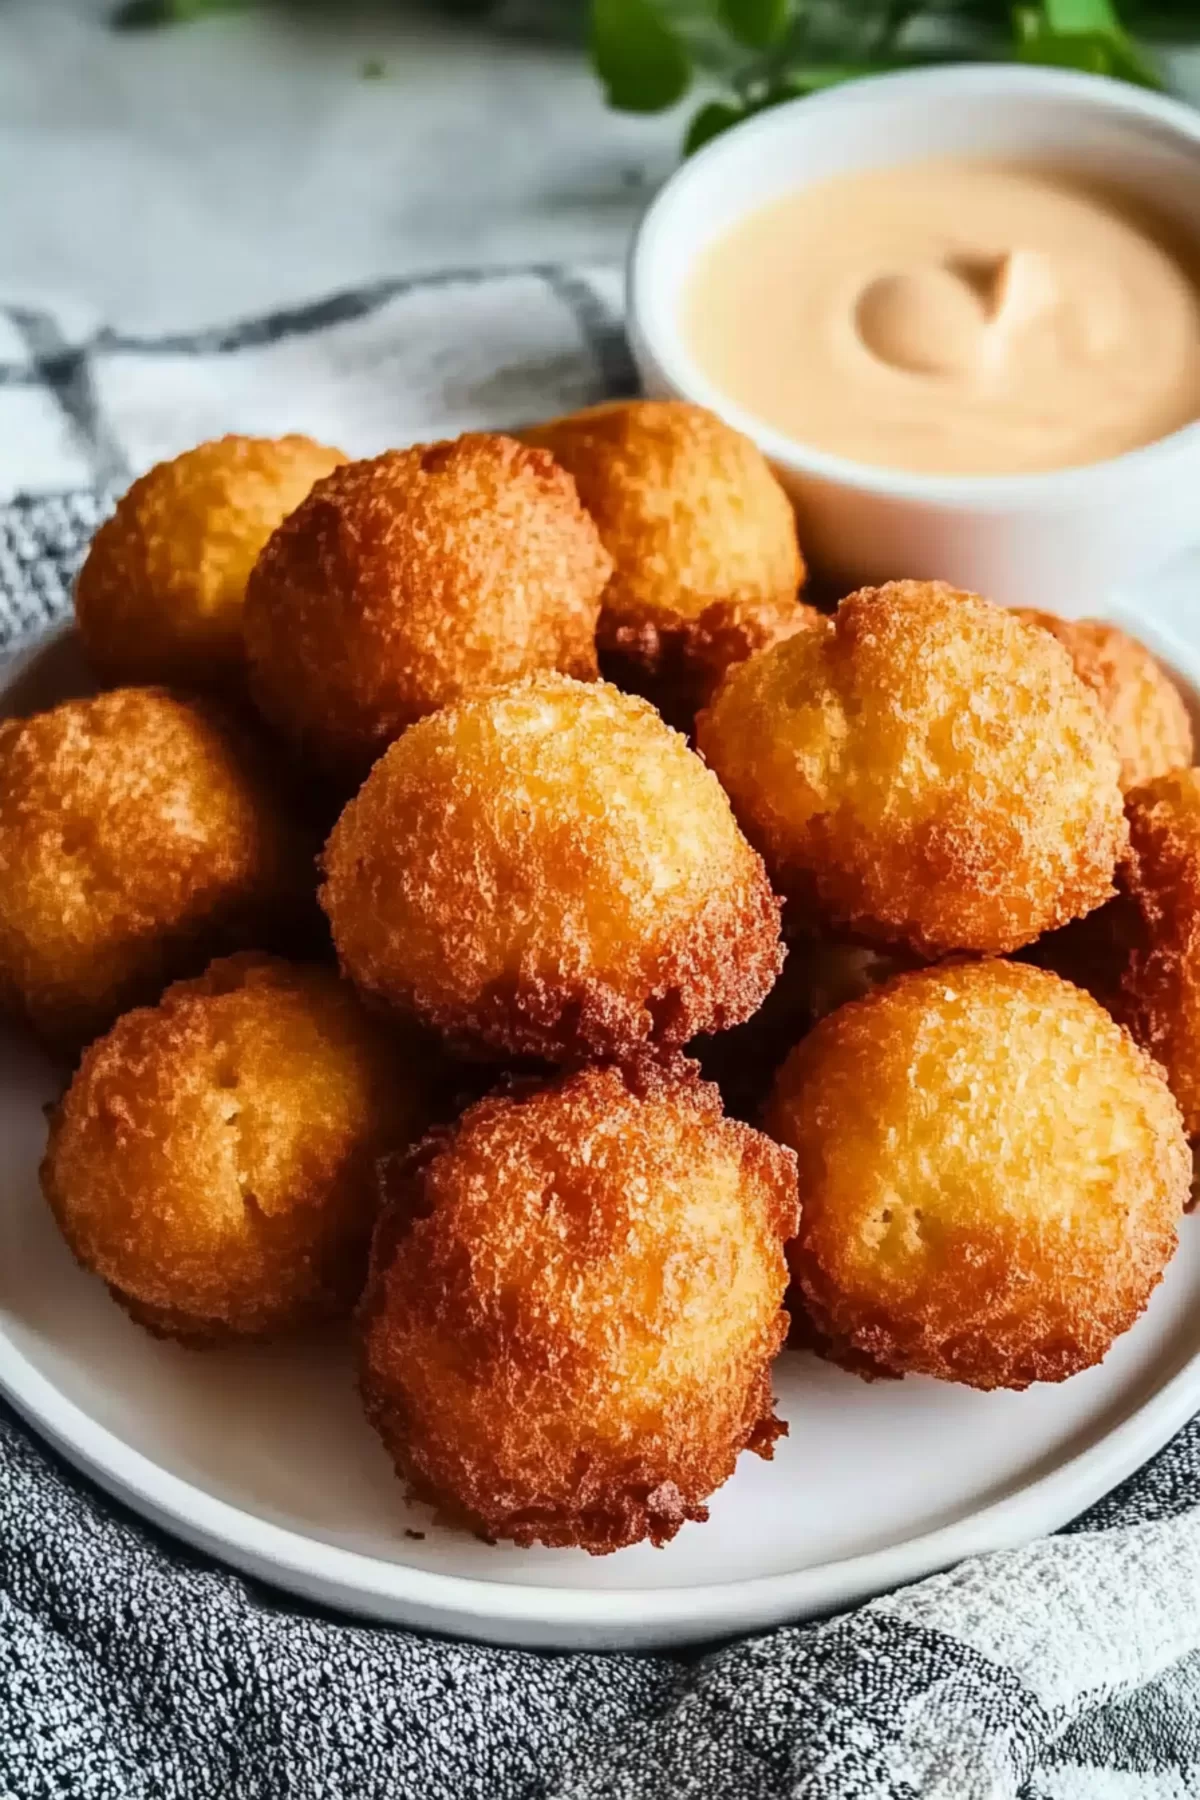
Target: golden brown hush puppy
x=548 y=871
x=407 y=581
x=213 y=1159
x=575 y=1297
x=1153 y=934
x=991 y=1176
x=159 y=598
x=702 y=536
x=139 y=834
x=1145 y=710
x=923 y=770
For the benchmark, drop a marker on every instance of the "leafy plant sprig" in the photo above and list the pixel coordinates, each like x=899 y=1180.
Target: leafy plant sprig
x=752 y=54
x=648 y=53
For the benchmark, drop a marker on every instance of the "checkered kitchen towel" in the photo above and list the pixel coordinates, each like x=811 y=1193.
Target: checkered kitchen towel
x=131 y=1669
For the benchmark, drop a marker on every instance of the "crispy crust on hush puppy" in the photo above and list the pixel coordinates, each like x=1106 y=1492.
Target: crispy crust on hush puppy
x=575 y=1297
x=1139 y=956
x=924 y=770
x=213 y=1159
x=407 y=581
x=991 y=1171
x=702 y=536
x=548 y=871
x=159 y=597
x=1145 y=710
x=140 y=834
x=1153 y=933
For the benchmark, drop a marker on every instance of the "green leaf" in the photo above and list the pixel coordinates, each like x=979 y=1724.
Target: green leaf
x=1127 y=63
x=1068 y=16
x=797 y=79
x=792 y=82
x=1106 y=52
x=642 y=62
x=1081 y=34
x=709 y=121
x=755 y=23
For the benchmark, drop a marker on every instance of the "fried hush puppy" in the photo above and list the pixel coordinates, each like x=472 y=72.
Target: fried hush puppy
x=139 y=835
x=991 y=1174
x=548 y=871
x=923 y=770
x=159 y=597
x=1145 y=710
x=212 y=1160
x=407 y=581
x=1153 y=934
x=1139 y=956
x=574 y=1301
x=702 y=537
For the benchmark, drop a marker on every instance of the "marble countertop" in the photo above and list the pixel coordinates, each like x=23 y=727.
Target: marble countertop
x=184 y=176
x=163 y=179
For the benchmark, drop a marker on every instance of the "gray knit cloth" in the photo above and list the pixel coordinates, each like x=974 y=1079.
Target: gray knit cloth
x=131 y=1669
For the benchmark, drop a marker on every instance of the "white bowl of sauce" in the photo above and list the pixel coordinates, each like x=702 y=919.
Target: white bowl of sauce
x=959 y=310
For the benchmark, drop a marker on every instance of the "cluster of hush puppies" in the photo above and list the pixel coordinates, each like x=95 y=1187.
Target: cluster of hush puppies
x=469 y=1118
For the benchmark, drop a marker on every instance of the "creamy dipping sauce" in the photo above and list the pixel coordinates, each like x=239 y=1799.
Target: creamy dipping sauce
x=954 y=318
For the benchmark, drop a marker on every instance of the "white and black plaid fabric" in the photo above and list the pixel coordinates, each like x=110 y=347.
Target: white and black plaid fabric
x=131 y=1669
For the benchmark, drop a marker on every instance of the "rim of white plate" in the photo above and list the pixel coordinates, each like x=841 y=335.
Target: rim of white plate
x=383 y=1588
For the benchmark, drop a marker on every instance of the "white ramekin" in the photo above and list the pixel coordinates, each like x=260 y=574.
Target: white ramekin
x=1061 y=539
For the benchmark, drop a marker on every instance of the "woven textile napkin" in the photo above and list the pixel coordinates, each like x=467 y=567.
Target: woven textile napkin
x=131 y=1669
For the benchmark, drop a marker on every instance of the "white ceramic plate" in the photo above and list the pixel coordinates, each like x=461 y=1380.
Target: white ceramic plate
x=261 y=1457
